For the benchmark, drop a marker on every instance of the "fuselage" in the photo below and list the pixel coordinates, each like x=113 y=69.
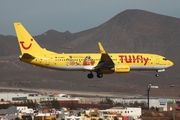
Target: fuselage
x=100 y=63
x=87 y=61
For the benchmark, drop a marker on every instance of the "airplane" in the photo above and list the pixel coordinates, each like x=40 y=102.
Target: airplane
x=100 y=63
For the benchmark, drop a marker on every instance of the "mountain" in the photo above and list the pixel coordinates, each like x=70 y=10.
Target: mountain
x=128 y=31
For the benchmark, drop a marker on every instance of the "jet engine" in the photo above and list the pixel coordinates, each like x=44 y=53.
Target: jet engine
x=121 y=68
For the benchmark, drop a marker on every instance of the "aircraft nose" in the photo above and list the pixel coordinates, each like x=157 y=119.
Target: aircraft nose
x=171 y=63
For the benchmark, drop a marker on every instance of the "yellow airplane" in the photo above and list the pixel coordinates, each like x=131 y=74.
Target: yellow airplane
x=100 y=63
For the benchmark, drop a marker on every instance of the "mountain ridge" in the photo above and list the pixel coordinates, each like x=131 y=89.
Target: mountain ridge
x=129 y=31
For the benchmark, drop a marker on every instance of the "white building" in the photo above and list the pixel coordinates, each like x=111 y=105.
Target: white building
x=23 y=96
x=73 y=117
x=132 y=112
x=59 y=97
x=153 y=102
x=17 y=96
x=25 y=110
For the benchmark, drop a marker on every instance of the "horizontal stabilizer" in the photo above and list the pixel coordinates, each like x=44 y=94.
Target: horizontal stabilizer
x=27 y=56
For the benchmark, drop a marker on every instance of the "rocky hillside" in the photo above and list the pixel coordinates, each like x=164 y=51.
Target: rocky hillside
x=129 y=31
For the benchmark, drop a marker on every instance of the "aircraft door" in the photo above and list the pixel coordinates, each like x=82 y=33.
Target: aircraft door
x=47 y=61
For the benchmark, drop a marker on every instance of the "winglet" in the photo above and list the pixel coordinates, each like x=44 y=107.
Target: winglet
x=105 y=60
x=101 y=48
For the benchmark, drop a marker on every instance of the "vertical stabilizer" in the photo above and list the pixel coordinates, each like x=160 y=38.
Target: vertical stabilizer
x=26 y=42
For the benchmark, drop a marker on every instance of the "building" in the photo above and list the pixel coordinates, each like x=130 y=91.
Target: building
x=153 y=102
x=120 y=112
x=17 y=96
x=73 y=117
x=45 y=116
x=16 y=111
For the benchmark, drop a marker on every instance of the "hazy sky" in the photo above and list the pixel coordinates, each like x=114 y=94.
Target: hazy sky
x=38 y=16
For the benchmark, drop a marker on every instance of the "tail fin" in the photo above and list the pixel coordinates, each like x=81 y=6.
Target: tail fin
x=26 y=42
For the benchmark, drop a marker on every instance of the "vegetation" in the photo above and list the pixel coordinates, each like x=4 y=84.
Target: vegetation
x=17 y=118
x=4 y=106
x=51 y=104
x=72 y=106
x=29 y=103
x=107 y=101
x=115 y=118
x=55 y=104
x=110 y=102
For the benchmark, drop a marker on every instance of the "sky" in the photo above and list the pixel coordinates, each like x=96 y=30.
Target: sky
x=39 y=16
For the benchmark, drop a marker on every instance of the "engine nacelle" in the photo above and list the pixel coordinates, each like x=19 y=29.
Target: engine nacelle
x=122 y=69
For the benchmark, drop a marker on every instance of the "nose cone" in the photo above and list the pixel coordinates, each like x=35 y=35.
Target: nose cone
x=171 y=63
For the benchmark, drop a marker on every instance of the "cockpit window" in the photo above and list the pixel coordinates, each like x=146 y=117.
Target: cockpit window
x=164 y=59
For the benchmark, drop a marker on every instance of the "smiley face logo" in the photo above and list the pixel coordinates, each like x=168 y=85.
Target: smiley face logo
x=25 y=47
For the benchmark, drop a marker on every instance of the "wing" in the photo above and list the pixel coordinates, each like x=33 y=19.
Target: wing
x=105 y=62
